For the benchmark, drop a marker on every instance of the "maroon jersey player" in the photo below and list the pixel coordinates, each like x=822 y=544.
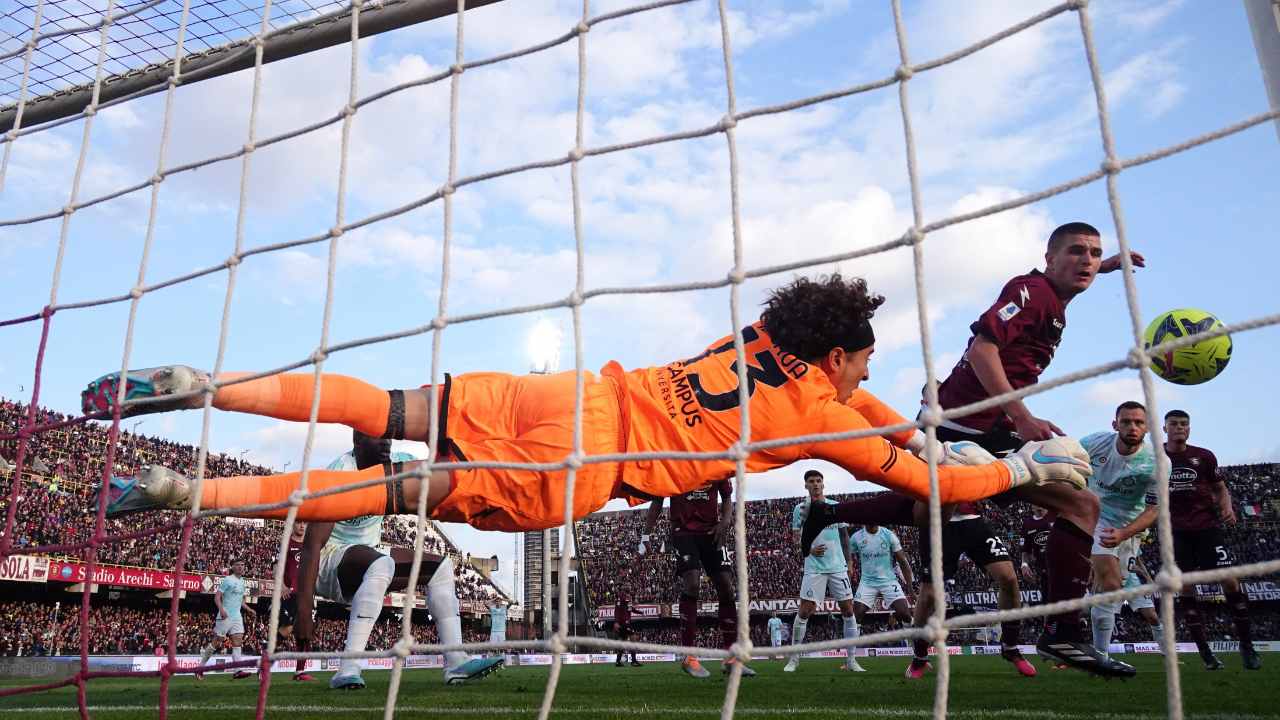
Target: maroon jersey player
x=700 y=523
x=1012 y=344
x=1035 y=542
x=622 y=628
x=1199 y=504
x=289 y=599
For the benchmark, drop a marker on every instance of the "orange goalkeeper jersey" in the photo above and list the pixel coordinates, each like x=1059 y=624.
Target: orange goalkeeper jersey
x=693 y=406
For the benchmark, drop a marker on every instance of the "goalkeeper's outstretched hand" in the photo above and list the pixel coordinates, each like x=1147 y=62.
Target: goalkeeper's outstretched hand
x=1058 y=460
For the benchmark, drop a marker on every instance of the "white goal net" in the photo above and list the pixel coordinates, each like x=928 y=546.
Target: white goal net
x=416 y=201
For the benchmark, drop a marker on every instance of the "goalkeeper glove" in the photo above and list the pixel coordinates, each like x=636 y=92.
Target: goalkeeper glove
x=965 y=452
x=1061 y=460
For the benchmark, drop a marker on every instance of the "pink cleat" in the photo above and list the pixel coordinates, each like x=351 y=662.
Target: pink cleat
x=917 y=669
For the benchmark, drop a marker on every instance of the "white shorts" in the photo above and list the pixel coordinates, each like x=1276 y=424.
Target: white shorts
x=228 y=626
x=497 y=637
x=820 y=586
x=775 y=639
x=868 y=593
x=1126 y=552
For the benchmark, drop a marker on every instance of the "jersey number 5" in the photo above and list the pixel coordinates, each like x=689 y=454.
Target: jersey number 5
x=768 y=372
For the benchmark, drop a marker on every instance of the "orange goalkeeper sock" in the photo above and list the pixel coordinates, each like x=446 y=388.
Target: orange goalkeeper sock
x=343 y=399
x=231 y=492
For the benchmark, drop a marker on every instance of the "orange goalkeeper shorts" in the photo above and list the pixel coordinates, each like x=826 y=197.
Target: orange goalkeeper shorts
x=527 y=419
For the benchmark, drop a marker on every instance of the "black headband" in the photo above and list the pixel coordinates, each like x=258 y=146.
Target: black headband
x=860 y=338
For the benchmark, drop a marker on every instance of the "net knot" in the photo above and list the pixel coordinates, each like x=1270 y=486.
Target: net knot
x=741 y=651
x=11 y=135
x=447 y=189
x=232 y=261
x=1078 y=4
x=582 y=27
x=157 y=179
x=737 y=276
x=1111 y=166
x=575 y=299
x=402 y=648
x=574 y=461
x=557 y=644
x=904 y=72
x=68 y=209
x=728 y=122
x=456 y=69
x=915 y=236
x=173 y=81
x=335 y=231
x=931 y=416
x=297 y=497
x=1169 y=579
x=248 y=148
x=737 y=452
x=1136 y=357
x=349 y=109
x=135 y=293
x=576 y=154
x=438 y=323
x=319 y=355
x=937 y=631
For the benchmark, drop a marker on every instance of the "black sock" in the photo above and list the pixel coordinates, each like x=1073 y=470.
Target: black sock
x=1238 y=602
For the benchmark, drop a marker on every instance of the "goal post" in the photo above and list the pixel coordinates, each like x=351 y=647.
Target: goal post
x=317 y=33
x=1264 y=22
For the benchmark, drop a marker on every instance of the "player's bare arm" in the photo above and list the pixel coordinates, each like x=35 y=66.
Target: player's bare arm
x=984 y=356
x=308 y=570
x=844 y=547
x=217 y=600
x=1222 y=495
x=904 y=567
x=1115 y=262
x=1027 y=573
x=725 y=523
x=650 y=522
x=1111 y=537
x=1141 y=568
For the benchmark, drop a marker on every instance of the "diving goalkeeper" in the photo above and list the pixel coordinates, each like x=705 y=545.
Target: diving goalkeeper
x=806 y=356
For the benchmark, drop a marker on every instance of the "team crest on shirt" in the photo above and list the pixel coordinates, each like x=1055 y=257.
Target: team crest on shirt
x=1007 y=312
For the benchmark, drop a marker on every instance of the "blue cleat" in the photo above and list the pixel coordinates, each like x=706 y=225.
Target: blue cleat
x=473 y=669
x=154 y=488
x=100 y=395
x=346 y=682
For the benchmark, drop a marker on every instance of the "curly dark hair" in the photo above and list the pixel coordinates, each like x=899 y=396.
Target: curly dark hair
x=808 y=318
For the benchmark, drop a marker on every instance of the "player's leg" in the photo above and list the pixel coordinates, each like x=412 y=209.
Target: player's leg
x=399 y=414
x=442 y=601
x=1189 y=556
x=1237 y=604
x=901 y=609
x=1067 y=555
x=237 y=649
x=689 y=570
x=1102 y=616
x=211 y=648
x=363 y=574
x=952 y=544
x=850 y=624
x=812 y=586
x=920 y=617
x=990 y=552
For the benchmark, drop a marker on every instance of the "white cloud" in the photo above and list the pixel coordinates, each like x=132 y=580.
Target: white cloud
x=1104 y=394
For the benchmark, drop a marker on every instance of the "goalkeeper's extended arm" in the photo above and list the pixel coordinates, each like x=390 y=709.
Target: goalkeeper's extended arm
x=650 y=522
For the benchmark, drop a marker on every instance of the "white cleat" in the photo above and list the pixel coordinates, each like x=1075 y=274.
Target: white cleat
x=792 y=664
x=852 y=665
x=154 y=488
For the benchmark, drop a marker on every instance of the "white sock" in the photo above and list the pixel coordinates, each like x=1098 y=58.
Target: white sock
x=850 y=631
x=235 y=654
x=442 y=601
x=1104 y=623
x=366 y=605
x=207 y=653
x=1157 y=634
x=798 y=629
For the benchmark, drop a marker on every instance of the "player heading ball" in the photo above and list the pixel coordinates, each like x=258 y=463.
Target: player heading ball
x=806 y=357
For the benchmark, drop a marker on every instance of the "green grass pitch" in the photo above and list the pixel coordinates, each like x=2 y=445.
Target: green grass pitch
x=982 y=687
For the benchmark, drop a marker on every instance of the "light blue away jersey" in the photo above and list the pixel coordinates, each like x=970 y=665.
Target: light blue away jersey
x=833 y=560
x=1125 y=484
x=775 y=626
x=498 y=619
x=875 y=553
x=232 y=589
x=367 y=529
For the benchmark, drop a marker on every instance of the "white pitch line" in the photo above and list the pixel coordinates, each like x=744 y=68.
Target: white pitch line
x=881 y=712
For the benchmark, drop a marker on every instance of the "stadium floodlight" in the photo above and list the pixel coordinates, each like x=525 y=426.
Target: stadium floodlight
x=544 y=346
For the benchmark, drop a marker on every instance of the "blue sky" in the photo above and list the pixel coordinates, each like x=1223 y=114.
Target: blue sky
x=1014 y=118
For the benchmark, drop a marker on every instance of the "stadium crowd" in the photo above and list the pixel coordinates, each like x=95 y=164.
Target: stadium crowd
x=64 y=465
